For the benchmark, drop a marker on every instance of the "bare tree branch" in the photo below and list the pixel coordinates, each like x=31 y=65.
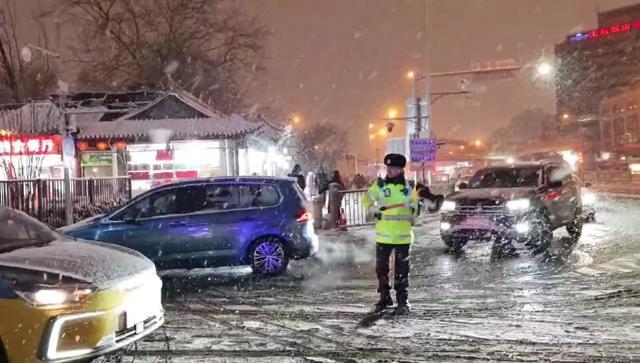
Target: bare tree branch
x=194 y=44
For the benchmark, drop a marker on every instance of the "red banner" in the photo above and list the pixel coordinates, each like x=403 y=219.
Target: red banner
x=30 y=145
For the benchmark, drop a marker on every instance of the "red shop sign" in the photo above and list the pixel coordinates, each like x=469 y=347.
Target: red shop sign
x=30 y=145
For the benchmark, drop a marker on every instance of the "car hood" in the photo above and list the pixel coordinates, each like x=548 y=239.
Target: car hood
x=82 y=224
x=99 y=264
x=497 y=194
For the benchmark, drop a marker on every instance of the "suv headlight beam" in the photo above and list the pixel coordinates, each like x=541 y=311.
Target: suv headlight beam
x=448 y=206
x=518 y=205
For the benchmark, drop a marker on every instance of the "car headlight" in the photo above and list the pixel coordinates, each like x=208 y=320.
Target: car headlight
x=448 y=206
x=518 y=204
x=588 y=198
x=49 y=297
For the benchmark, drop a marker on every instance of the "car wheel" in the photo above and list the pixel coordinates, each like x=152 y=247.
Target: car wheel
x=502 y=248
x=574 y=229
x=269 y=257
x=454 y=244
x=542 y=236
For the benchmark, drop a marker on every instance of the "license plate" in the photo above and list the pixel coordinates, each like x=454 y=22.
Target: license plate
x=478 y=223
x=142 y=305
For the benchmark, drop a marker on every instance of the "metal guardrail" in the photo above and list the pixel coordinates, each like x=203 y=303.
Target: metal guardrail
x=354 y=214
x=44 y=198
x=351 y=207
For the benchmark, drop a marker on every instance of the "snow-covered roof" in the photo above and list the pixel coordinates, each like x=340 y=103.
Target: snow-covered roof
x=186 y=98
x=32 y=118
x=224 y=127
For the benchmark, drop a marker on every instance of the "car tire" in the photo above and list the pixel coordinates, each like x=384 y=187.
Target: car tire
x=543 y=235
x=574 y=229
x=503 y=248
x=269 y=256
x=454 y=244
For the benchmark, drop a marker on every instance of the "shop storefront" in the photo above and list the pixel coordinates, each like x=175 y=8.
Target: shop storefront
x=150 y=165
x=30 y=157
x=173 y=138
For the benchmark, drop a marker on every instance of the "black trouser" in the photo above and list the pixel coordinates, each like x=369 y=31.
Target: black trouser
x=401 y=279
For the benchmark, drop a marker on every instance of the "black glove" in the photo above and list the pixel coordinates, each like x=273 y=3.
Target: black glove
x=377 y=215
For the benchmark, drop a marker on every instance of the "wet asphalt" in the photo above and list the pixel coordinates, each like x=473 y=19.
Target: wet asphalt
x=576 y=304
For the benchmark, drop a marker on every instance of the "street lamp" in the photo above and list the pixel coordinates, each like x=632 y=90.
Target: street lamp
x=544 y=68
x=392 y=113
x=68 y=145
x=477 y=142
x=565 y=116
x=370 y=126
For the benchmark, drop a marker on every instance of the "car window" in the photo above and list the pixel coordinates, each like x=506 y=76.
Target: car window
x=221 y=197
x=190 y=199
x=506 y=178
x=180 y=200
x=258 y=196
x=18 y=228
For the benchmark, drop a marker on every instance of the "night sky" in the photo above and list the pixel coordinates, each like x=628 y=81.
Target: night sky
x=343 y=61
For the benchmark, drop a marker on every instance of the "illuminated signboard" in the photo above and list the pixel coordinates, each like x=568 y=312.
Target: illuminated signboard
x=29 y=145
x=603 y=32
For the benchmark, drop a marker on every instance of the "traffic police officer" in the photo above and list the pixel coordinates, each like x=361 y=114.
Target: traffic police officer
x=394 y=204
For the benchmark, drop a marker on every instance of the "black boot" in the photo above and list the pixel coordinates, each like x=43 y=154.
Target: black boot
x=384 y=302
x=403 y=304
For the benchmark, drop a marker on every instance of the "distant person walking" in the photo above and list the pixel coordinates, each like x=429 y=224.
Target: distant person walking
x=297 y=173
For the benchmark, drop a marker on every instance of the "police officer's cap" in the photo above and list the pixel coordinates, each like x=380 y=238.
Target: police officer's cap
x=395 y=160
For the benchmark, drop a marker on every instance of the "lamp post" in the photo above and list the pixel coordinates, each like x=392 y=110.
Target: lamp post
x=26 y=55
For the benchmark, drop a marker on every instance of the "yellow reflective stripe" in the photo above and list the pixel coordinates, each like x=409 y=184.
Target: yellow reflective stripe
x=397 y=217
x=383 y=235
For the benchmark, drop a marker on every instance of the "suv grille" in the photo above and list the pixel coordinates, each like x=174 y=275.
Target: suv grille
x=480 y=208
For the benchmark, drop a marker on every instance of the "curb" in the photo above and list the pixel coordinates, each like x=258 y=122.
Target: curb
x=620 y=195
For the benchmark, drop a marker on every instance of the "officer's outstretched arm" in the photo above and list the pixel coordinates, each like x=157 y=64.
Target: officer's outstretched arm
x=369 y=197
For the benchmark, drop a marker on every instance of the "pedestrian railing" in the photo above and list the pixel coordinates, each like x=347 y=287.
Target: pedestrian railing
x=351 y=212
x=44 y=198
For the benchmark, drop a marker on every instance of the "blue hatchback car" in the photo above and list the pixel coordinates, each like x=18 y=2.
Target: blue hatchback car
x=259 y=221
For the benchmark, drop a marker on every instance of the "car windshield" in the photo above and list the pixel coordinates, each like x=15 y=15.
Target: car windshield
x=506 y=178
x=18 y=230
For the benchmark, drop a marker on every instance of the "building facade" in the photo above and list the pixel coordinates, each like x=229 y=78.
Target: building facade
x=595 y=65
x=598 y=63
x=151 y=137
x=620 y=124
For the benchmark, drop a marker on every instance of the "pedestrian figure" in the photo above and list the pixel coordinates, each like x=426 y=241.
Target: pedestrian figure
x=297 y=174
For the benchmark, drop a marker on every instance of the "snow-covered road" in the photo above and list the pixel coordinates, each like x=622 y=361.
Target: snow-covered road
x=584 y=306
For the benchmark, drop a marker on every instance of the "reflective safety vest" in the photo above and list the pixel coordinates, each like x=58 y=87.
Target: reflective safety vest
x=398 y=205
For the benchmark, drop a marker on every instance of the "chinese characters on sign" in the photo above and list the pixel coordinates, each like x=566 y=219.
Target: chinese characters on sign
x=29 y=145
x=603 y=32
x=423 y=150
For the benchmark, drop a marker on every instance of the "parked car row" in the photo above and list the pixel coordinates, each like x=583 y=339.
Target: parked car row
x=64 y=296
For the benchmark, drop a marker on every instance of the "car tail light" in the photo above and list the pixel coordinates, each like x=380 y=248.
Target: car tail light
x=303 y=216
x=552 y=196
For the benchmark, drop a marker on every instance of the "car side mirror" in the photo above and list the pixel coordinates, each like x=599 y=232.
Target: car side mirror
x=588 y=185
x=555 y=184
x=463 y=186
